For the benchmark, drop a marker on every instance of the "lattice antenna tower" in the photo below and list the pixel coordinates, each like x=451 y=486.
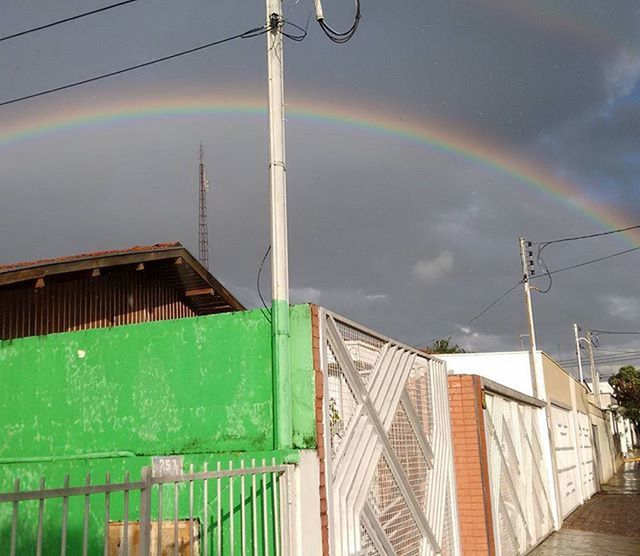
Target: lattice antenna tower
x=203 y=228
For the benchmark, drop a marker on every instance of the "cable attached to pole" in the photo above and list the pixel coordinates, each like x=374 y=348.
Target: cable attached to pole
x=337 y=36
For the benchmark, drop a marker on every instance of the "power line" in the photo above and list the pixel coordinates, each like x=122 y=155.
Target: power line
x=634 y=333
x=66 y=20
x=574 y=238
x=587 y=262
x=549 y=273
x=475 y=318
x=255 y=32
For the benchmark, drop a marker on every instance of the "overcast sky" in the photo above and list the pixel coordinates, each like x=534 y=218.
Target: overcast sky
x=406 y=238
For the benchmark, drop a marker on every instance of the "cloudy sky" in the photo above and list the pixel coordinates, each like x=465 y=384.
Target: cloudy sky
x=411 y=237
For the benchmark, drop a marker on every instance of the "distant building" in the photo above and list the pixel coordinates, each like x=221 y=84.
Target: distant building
x=107 y=288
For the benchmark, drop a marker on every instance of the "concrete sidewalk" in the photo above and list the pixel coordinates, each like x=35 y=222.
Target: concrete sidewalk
x=609 y=523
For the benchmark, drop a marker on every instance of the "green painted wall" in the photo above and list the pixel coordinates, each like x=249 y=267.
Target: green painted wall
x=107 y=400
x=196 y=385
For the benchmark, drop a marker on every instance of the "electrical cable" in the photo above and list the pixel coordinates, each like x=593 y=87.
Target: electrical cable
x=342 y=37
x=475 y=318
x=66 y=20
x=633 y=333
x=562 y=240
x=548 y=273
x=303 y=32
x=264 y=309
x=255 y=32
x=592 y=261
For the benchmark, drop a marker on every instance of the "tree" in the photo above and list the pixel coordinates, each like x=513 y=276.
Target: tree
x=626 y=389
x=444 y=345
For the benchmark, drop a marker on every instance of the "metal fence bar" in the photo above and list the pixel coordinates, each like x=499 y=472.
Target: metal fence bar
x=85 y=520
x=160 y=519
x=219 y=503
x=205 y=514
x=254 y=511
x=191 y=513
x=145 y=513
x=231 y=524
x=70 y=492
x=107 y=508
x=125 y=524
x=14 y=521
x=40 y=520
x=175 y=519
x=276 y=517
x=265 y=529
x=65 y=510
x=243 y=524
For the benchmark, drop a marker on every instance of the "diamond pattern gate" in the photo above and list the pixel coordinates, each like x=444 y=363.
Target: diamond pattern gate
x=390 y=467
x=517 y=475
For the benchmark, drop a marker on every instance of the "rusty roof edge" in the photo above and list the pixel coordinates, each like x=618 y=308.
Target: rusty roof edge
x=212 y=281
x=22 y=272
x=138 y=249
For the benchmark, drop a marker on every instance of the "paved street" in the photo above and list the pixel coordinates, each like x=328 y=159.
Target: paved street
x=606 y=524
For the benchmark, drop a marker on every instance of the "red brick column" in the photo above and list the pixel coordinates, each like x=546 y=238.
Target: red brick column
x=471 y=465
x=319 y=405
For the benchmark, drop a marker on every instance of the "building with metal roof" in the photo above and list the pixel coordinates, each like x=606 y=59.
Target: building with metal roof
x=107 y=288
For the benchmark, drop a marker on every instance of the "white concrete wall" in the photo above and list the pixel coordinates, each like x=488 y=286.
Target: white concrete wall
x=509 y=368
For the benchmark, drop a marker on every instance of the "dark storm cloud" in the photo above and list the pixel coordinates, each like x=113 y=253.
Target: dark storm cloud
x=411 y=241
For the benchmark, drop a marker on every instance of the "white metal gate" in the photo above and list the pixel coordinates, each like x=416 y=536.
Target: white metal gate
x=518 y=475
x=566 y=459
x=587 y=456
x=391 y=474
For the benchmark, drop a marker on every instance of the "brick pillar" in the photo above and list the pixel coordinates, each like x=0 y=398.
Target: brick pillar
x=471 y=465
x=319 y=405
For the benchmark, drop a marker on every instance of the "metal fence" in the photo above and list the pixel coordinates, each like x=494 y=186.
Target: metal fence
x=243 y=510
x=391 y=474
x=518 y=475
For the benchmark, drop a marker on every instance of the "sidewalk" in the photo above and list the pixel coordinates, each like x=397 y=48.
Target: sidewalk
x=609 y=523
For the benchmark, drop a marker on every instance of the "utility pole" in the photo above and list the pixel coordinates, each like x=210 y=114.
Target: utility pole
x=279 y=246
x=203 y=227
x=527 y=261
x=576 y=330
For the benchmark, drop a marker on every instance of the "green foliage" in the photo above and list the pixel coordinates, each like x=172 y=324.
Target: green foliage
x=626 y=389
x=444 y=345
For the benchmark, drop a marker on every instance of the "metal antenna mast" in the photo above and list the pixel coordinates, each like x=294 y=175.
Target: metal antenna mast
x=203 y=228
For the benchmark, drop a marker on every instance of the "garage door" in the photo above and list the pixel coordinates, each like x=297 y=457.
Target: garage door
x=566 y=459
x=586 y=455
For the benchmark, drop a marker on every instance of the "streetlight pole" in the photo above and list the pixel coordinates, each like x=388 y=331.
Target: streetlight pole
x=576 y=329
x=279 y=246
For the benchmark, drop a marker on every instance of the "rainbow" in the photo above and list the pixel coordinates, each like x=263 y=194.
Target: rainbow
x=378 y=120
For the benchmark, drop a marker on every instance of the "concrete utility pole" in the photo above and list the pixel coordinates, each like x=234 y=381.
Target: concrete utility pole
x=524 y=259
x=576 y=330
x=279 y=246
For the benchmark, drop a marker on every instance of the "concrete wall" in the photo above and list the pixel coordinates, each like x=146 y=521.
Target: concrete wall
x=509 y=368
x=108 y=400
x=184 y=386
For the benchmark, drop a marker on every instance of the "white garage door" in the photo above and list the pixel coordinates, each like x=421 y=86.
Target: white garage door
x=586 y=455
x=566 y=459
